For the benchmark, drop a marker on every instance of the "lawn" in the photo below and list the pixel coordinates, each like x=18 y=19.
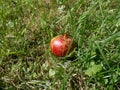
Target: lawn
x=26 y=28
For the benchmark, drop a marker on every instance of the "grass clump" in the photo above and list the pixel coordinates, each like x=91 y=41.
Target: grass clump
x=26 y=28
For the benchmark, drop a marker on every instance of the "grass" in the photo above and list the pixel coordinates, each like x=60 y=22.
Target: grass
x=26 y=28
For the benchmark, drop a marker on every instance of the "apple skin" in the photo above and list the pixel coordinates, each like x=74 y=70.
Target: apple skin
x=62 y=45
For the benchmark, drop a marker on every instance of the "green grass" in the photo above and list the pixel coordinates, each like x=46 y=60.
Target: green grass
x=26 y=28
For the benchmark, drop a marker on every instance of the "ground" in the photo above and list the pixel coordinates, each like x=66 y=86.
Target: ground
x=26 y=28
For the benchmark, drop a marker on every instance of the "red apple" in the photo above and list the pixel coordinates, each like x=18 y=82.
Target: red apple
x=62 y=45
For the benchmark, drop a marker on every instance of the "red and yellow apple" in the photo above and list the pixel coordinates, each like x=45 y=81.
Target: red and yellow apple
x=62 y=45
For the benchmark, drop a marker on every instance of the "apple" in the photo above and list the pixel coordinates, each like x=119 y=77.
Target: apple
x=62 y=45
